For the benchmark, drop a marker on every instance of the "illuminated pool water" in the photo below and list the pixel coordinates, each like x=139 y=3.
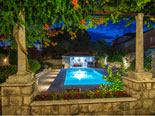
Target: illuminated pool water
x=85 y=76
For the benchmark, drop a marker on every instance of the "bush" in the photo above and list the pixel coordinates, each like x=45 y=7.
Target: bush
x=147 y=64
x=114 y=80
x=35 y=54
x=6 y=71
x=116 y=56
x=13 y=57
x=34 y=65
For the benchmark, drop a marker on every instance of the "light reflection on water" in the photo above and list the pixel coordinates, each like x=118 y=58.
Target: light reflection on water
x=80 y=74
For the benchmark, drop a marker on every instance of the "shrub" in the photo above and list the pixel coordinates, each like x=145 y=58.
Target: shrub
x=34 y=54
x=13 y=57
x=117 y=55
x=34 y=65
x=6 y=71
x=147 y=63
x=115 y=80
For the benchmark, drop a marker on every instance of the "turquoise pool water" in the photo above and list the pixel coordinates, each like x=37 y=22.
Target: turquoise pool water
x=85 y=76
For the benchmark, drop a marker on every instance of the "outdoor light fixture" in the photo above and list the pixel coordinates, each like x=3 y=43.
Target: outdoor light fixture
x=5 y=60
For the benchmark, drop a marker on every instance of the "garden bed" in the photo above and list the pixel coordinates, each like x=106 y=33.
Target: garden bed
x=77 y=94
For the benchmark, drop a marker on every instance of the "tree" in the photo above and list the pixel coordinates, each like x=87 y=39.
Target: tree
x=15 y=13
x=80 y=44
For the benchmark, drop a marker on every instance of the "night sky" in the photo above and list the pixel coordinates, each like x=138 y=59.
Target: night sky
x=110 y=31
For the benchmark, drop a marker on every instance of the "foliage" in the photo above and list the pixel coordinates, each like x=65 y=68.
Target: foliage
x=88 y=94
x=34 y=65
x=35 y=54
x=63 y=65
x=117 y=55
x=100 y=47
x=132 y=66
x=66 y=13
x=65 y=44
x=13 y=57
x=5 y=71
x=147 y=63
x=115 y=80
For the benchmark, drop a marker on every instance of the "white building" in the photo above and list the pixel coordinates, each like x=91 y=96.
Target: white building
x=78 y=60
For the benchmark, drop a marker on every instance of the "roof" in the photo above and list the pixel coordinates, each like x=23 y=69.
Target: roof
x=130 y=35
x=127 y=34
x=78 y=54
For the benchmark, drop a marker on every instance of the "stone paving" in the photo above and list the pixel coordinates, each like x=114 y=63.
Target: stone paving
x=45 y=80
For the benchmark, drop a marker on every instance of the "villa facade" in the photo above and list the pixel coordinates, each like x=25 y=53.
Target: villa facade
x=128 y=41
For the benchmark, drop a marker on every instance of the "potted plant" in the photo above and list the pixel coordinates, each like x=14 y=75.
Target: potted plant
x=63 y=65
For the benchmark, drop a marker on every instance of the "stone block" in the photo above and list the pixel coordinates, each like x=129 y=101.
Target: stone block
x=152 y=94
x=130 y=84
x=95 y=107
x=137 y=86
x=46 y=110
x=25 y=110
x=135 y=94
x=128 y=91
x=153 y=85
x=147 y=104
x=16 y=100
x=124 y=106
x=27 y=99
x=7 y=91
x=135 y=105
x=145 y=94
x=124 y=88
x=107 y=107
x=27 y=90
x=36 y=110
x=125 y=82
x=74 y=109
x=63 y=110
x=140 y=76
x=5 y=101
x=116 y=106
x=148 y=86
x=83 y=108
x=11 y=110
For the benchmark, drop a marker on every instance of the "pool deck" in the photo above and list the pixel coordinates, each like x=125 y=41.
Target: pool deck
x=58 y=84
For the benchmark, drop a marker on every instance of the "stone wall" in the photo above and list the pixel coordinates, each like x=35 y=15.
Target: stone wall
x=54 y=61
x=144 y=92
x=106 y=106
x=153 y=63
x=16 y=98
x=142 y=102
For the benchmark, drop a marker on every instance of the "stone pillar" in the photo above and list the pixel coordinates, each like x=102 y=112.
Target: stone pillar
x=19 y=90
x=153 y=63
x=139 y=43
x=139 y=73
x=21 y=55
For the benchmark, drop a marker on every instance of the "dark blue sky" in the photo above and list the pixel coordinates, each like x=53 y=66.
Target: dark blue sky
x=110 y=31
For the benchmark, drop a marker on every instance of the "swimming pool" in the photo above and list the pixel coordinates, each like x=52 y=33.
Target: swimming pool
x=85 y=76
